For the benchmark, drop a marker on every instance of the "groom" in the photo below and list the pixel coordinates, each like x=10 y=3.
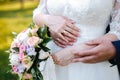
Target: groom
x=105 y=50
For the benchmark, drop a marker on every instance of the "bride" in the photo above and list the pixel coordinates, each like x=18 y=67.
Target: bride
x=71 y=23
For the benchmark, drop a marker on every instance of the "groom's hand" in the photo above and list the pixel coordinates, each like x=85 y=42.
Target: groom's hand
x=104 y=50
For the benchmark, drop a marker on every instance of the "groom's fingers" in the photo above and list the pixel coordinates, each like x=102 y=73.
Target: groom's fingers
x=86 y=53
x=93 y=42
x=88 y=56
x=86 y=59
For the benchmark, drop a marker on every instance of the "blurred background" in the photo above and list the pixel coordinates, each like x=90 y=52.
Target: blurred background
x=15 y=15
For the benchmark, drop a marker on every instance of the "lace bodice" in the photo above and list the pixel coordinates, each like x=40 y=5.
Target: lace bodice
x=89 y=15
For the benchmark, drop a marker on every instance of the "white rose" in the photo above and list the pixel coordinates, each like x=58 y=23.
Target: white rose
x=16 y=40
x=43 y=54
x=14 y=59
x=21 y=68
x=23 y=35
x=32 y=53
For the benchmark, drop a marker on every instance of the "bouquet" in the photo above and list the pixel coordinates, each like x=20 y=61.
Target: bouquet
x=28 y=50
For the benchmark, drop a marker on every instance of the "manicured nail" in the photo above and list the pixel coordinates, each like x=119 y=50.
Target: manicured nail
x=75 y=40
x=71 y=44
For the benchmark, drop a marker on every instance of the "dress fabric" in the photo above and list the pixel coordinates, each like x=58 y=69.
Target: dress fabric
x=92 y=17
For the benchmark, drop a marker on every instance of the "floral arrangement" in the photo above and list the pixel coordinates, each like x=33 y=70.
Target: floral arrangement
x=28 y=50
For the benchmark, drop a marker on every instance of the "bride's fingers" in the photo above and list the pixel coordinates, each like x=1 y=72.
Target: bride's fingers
x=65 y=33
x=84 y=53
x=73 y=27
x=89 y=56
x=93 y=42
x=60 y=44
x=73 y=32
x=61 y=37
x=71 y=41
x=60 y=41
x=86 y=59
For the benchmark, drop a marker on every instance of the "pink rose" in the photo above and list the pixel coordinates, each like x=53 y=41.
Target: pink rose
x=32 y=41
x=22 y=48
x=21 y=56
x=15 y=69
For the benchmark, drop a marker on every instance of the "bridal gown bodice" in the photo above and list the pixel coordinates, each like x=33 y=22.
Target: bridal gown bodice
x=92 y=17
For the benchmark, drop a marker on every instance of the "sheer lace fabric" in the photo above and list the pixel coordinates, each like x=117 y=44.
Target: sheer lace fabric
x=115 y=24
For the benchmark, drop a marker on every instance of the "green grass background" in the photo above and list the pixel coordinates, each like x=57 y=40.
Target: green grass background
x=12 y=18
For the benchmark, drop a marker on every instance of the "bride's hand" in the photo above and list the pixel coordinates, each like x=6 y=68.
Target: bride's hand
x=66 y=56
x=63 y=57
x=62 y=30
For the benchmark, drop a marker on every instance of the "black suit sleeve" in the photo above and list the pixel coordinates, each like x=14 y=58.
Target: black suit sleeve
x=117 y=47
x=116 y=59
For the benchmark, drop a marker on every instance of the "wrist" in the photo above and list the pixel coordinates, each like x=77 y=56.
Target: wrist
x=41 y=19
x=110 y=37
x=114 y=57
x=55 y=58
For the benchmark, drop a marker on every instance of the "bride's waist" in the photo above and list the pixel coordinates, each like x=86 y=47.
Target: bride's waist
x=87 y=37
x=91 y=32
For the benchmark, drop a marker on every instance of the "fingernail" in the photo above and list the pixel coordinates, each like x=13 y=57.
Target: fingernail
x=75 y=40
x=71 y=44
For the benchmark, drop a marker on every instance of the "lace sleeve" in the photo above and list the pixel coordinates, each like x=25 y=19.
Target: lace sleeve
x=42 y=8
x=115 y=24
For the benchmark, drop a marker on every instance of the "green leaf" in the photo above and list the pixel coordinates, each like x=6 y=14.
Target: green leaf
x=14 y=33
x=7 y=51
x=16 y=49
x=44 y=48
x=39 y=32
x=39 y=74
x=46 y=40
x=32 y=25
x=44 y=32
x=33 y=72
x=40 y=60
x=30 y=34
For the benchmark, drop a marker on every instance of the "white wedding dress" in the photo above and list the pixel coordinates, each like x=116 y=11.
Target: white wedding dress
x=92 y=17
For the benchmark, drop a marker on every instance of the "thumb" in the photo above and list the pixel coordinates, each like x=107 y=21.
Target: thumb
x=93 y=42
